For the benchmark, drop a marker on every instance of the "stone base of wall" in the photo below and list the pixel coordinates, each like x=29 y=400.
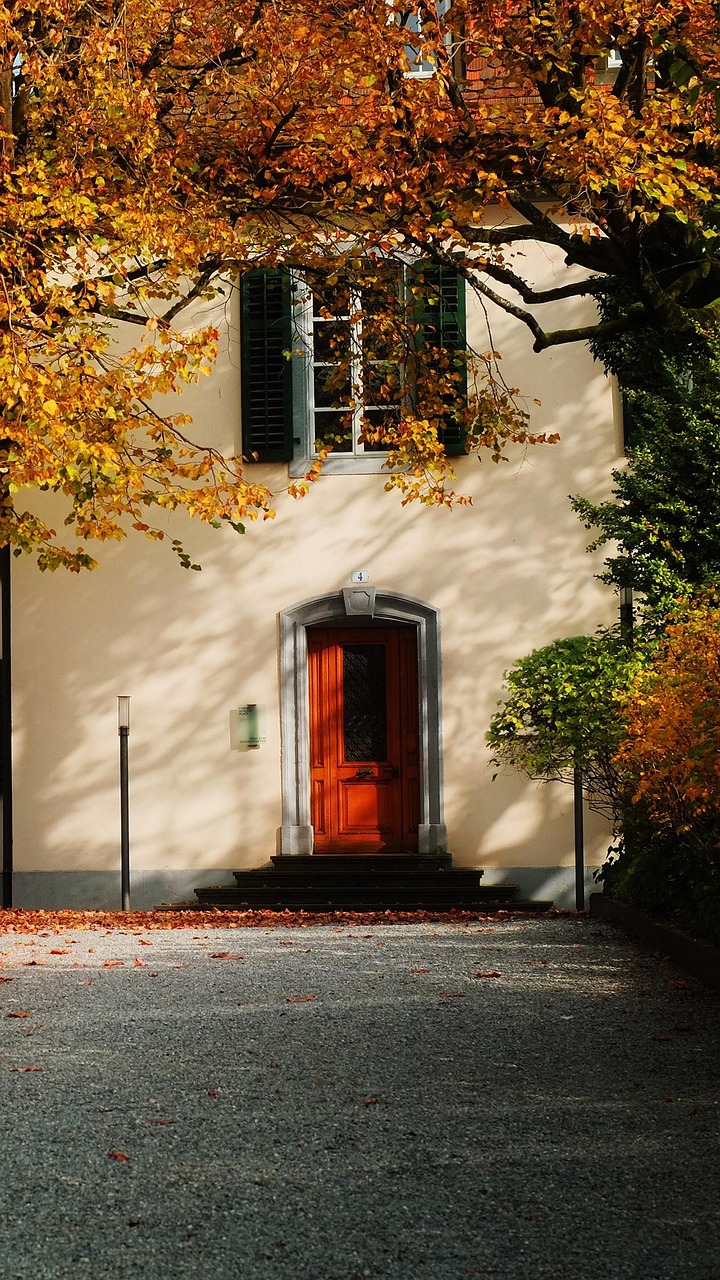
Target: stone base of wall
x=100 y=890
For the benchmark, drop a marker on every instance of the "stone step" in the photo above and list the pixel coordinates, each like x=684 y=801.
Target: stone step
x=377 y=882
x=359 y=898
x=345 y=862
x=455 y=881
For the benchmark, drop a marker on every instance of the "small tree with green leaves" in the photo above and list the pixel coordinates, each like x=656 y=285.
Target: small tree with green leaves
x=561 y=712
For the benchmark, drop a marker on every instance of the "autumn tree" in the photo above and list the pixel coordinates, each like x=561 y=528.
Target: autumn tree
x=154 y=150
x=669 y=760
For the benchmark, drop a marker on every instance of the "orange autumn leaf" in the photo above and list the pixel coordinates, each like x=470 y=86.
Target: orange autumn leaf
x=490 y=973
x=299 y=999
x=112 y=964
x=23 y=1069
x=120 y=1156
x=18 y=921
x=225 y=955
x=18 y=1013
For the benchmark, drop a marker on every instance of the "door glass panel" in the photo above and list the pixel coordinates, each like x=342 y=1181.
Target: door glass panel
x=364 y=702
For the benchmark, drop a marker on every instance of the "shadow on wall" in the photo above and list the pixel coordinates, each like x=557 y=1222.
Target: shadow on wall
x=155 y=632
x=507 y=574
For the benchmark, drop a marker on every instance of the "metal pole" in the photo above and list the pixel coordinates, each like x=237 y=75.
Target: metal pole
x=6 y=743
x=579 y=840
x=124 y=819
x=627 y=616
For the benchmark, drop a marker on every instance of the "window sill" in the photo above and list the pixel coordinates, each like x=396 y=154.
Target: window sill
x=371 y=464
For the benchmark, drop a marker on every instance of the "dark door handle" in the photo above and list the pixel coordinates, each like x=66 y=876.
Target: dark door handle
x=364 y=773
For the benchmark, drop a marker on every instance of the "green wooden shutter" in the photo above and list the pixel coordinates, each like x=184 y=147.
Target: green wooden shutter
x=267 y=411
x=442 y=312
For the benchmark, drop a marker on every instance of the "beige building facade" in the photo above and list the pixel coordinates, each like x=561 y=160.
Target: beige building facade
x=477 y=587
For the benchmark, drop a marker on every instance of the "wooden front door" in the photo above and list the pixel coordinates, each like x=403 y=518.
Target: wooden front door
x=364 y=739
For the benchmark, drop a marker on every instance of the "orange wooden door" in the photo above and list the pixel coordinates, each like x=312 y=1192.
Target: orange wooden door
x=364 y=739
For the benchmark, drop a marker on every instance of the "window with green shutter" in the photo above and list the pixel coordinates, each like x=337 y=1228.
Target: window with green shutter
x=267 y=400
x=331 y=388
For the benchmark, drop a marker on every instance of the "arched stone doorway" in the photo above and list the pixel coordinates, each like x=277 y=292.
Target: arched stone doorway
x=357 y=606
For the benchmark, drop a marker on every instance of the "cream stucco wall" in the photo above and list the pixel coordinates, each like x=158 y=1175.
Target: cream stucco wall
x=507 y=574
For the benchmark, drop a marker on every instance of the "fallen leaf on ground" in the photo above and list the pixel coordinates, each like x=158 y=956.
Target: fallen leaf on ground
x=118 y=1155
x=213 y=1093
x=368 y=1102
x=112 y=964
x=419 y=971
x=491 y=973
x=452 y=995
x=225 y=955
x=27 y=963
x=26 y=1068
x=5 y=979
x=59 y=951
x=18 y=1013
x=139 y=964
x=665 y=1097
x=17 y=920
x=299 y=999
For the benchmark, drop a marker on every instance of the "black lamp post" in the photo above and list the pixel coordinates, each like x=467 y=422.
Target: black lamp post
x=579 y=839
x=627 y=615
x=124 y=732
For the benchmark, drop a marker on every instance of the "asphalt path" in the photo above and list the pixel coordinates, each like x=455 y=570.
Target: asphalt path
x=532 y=1099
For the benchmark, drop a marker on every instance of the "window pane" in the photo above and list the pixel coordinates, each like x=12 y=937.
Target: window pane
x=332 y=341
x=380 y=420
x=381 y=382
x=364 y=702
x=331 y=387
x=334 y=429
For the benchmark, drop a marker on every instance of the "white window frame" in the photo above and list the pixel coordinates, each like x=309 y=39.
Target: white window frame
x=418 y=68
x=359 y=462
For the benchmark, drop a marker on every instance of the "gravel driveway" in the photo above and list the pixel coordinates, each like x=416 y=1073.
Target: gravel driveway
x=531 y=1099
